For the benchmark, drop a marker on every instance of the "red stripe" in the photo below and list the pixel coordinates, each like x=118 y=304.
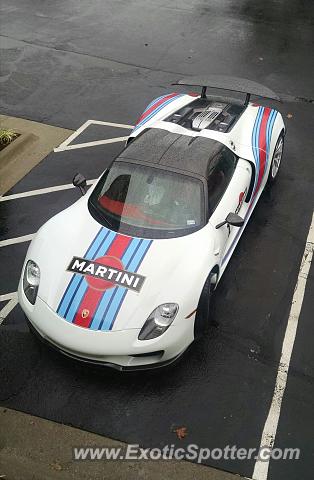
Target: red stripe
x=156 y=105
x=92 y=297
x=262 y=147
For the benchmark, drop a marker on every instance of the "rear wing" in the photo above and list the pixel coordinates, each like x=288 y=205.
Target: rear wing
x=231 y=84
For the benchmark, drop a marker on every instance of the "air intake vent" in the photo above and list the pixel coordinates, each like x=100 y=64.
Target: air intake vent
x=206 y=117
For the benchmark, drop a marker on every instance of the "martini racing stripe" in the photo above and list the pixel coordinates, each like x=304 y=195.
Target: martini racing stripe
x=151 y=104
x=110 y=312
x=83 y=285
x=156 y=107
x=269 y=130
x=78 y=285
x=261 y=140
x=264 y=139
x=255 y=135
x=91 y=296
x=107 y=297
x=154 y=104
x=76 y=279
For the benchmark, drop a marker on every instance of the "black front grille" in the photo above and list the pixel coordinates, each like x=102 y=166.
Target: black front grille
x=149 y=354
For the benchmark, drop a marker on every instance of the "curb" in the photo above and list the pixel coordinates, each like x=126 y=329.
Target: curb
x=10 y=166
x=32 y=448
x=35 y=142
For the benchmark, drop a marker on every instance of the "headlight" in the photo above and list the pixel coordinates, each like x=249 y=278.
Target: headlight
x=31 y=281
x=158 y=321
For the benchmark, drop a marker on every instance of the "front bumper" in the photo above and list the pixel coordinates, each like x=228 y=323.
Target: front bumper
x=115 y=366
x=117 y=349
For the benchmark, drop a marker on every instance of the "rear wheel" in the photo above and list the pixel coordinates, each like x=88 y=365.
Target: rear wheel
x=276 y=160
x=203 y=308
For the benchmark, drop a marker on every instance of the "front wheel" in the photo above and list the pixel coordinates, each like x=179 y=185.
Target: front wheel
x=276 y=160
x=203 y=308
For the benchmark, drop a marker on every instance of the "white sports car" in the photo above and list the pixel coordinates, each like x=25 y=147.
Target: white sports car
x=124 y=276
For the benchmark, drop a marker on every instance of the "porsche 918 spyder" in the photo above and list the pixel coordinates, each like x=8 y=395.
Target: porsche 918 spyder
x=124 y=276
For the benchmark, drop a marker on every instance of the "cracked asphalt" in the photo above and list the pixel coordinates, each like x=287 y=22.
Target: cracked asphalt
x=63 y=62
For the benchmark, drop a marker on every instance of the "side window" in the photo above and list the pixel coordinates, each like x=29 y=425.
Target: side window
x=219 y=175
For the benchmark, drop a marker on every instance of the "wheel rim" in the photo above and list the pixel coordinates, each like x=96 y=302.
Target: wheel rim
x=277 y=158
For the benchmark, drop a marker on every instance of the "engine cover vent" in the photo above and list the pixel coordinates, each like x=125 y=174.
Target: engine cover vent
x=207 y=116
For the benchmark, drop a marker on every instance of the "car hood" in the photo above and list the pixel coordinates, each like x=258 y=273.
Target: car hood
x=96 y=278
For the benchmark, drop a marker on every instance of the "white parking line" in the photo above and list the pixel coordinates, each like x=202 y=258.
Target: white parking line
x=7 y=296
x=270 y=427
x=42 y=191
x=11 y=298
x=66 y=144
x=4 y=312
x=12 y=241
x=91 y=144
x=110 y=124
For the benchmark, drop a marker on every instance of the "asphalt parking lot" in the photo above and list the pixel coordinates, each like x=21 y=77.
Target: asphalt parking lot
x=64 y=63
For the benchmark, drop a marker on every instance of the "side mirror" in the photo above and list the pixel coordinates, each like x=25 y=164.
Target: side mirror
x=232 y=219
x=79 y=181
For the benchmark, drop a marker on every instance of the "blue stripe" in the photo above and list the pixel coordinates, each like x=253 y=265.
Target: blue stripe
x=257 y=132
x=258 y=129
x=270 y=126
x=77 y=289
x=121 y=295
x=82 y=285
x=119 y=298
x=77 y=284
x=107 y=299
x=267 y=133
x=153 y=102
x=109 y=315
x=109 y=294
x=256 y=148
x=160 y=107
x=269 y=129
x=76 y=278
x=76 y=300
x=154 y=112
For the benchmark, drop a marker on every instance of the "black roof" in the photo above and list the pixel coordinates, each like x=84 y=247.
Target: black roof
x=164 y=148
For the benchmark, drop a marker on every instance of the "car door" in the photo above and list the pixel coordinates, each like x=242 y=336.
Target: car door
x=228 y=183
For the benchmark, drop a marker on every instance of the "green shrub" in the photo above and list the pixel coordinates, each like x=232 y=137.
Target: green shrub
x=6 y=136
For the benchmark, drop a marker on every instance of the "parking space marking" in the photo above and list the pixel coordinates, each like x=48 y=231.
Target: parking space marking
x=4 y=312
x=270 y=427
x=12 y=241
x=91 y=144
x=42 y=191
x=66 y=144
x=7 y=296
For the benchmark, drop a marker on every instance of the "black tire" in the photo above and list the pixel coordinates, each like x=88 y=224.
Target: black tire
x=274 y=169
x=203 y=308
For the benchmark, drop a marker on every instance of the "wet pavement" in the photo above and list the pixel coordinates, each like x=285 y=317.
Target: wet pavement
x=65 y=62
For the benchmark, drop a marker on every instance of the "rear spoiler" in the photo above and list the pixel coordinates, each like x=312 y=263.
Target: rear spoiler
x=232 y=84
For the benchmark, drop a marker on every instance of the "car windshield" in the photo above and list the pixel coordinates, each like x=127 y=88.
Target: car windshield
x=148 y=201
